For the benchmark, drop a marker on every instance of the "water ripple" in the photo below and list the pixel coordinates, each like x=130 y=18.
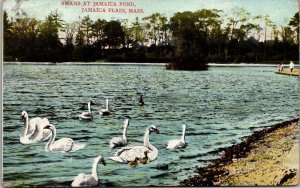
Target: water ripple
x=219 y=106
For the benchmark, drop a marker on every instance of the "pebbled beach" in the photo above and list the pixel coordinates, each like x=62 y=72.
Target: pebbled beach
x=269 y=157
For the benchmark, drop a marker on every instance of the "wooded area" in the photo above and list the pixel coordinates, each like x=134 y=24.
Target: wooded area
x=188 y=40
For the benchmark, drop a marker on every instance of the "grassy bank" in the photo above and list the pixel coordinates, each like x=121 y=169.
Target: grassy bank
x=267 y=158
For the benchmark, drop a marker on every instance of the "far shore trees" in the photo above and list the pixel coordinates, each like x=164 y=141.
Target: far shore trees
x=187 y=40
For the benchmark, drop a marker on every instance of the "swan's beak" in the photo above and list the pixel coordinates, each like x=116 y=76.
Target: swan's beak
x=103 y=162
x=157 y=131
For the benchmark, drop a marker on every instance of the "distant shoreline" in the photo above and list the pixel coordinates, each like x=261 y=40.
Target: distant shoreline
x=144 y=64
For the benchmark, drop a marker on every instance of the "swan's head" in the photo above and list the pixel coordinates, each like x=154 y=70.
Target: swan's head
x=24 y=115
x=152 y=129
x=50 y=126
x=184 y=126
x=126 y=121
x=92 y=102
x=101 y=159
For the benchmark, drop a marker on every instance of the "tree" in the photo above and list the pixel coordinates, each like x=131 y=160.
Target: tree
x=70 y=30
x=294 y=22
x=79 y=40
x=287 y=36
x=86 y=28
x=49 y=41
x=209 y=21
x=239 y=17
x=155 y=23
x=138 y=37
x=114 y=34
x=190 y=40
x=97 y=29
x=7 y=36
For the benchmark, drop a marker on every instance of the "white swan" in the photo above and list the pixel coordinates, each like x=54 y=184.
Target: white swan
x=176 y=144
x=61 y=145
x=87 y=115
x=120 y=141
x=105 y=111
x=128 y=154
x=89 y=180
x=33 y=131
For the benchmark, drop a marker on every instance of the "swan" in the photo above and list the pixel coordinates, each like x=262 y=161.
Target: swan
x=89 y=180
x=128 y=154
x=105 y=111
x=180 y=143
x=120 y=141
x=61 y=145
x=141 y=101
x=33 y=129
x=87 y=115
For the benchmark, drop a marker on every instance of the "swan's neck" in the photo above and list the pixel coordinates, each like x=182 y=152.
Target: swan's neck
x=125 y=130
x=154 y=152
x=107 y=104
x=89 y=107
x=51 y=141
x=95 y=168
x=146 y=141
x=183 y=135
x=26 y=126
x=146 y=138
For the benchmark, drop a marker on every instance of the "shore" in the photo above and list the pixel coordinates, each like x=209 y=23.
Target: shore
x=140 y=64
x=269 y=157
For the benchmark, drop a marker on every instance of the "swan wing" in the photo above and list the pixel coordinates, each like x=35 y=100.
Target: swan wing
x=43 y=122
x=32 y=125
x=63 y=145
x=82 y=180
x=117 y=142
x=104 y=112
x=180 y=145
x=174 y=144
x=128 y=154
x=86 y=115
x=77 y=146
x=46 y=132
x=40 y=133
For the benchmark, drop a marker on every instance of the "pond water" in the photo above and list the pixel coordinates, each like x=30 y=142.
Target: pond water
x=219 y=106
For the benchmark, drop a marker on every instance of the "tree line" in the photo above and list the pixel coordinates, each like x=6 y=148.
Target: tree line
x=188 y=40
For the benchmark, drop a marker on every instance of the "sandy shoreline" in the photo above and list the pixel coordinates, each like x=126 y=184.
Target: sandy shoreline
x=269 y=157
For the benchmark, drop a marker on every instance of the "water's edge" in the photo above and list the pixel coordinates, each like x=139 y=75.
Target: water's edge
x=208 y=174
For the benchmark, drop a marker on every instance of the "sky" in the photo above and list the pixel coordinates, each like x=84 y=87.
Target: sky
x=280 y=11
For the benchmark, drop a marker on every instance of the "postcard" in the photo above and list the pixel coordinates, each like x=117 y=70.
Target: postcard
x=150 y=93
